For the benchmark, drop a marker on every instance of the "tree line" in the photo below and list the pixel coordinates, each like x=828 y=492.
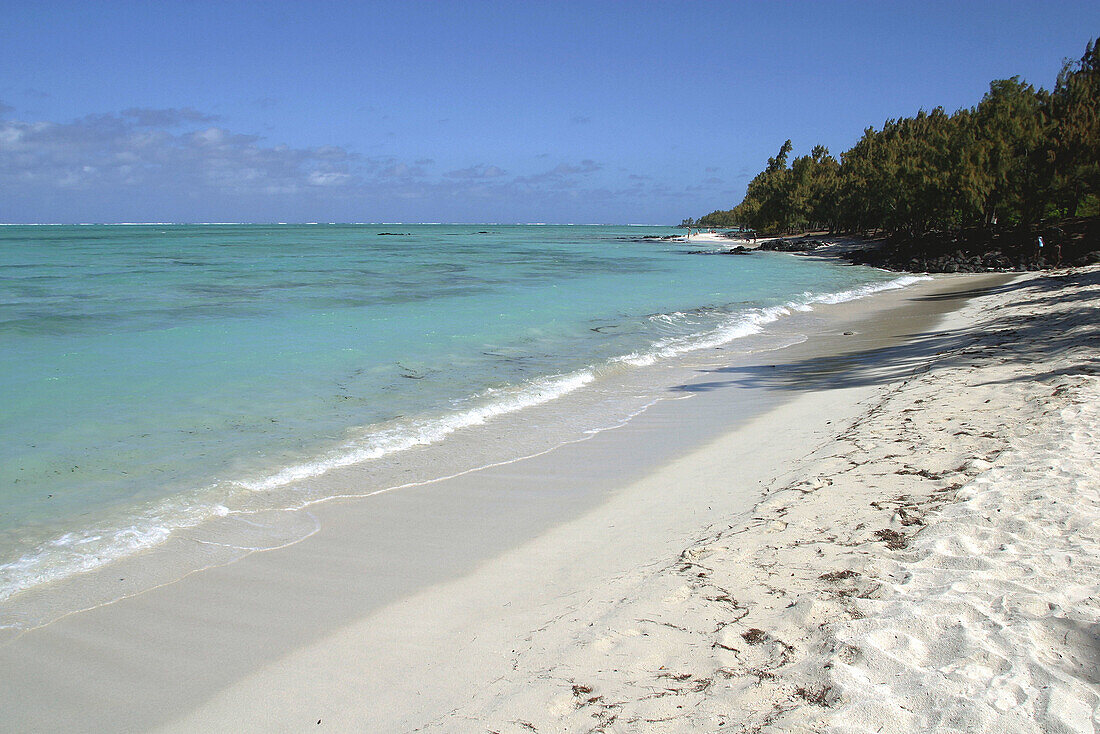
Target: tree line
x=1021 y=155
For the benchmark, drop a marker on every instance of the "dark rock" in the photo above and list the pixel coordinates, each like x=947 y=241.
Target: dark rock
x=799 y=245
x=984 y=249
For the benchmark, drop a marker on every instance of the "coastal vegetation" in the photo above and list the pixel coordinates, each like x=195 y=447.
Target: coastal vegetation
x=1020 y=157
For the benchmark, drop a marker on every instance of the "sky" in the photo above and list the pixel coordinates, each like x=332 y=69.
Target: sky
x=564 y=112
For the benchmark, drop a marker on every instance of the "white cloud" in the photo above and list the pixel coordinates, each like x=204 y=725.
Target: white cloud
x=137 y=148
x=174 y=164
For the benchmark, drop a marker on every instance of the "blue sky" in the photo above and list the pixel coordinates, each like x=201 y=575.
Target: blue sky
x=471 y=112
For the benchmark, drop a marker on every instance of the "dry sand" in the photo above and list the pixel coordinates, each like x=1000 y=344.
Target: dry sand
x=932 y=567
x=905 y=540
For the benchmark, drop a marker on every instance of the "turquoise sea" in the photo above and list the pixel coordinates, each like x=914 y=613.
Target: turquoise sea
x=155 y=377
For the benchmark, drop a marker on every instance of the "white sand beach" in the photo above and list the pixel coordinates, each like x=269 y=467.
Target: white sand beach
x=903 y=538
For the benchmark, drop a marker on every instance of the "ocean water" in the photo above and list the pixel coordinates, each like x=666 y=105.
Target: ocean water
x=156 y=377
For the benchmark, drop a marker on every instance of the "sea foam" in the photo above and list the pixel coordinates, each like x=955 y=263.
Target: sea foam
x=403 y=435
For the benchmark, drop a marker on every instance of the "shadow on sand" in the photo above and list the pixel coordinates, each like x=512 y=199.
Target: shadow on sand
x=1072 y=323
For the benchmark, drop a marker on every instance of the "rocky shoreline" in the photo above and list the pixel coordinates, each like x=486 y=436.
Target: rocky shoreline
x=1070 y=242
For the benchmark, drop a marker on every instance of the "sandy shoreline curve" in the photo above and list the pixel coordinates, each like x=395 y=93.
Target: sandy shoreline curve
x=902 y=537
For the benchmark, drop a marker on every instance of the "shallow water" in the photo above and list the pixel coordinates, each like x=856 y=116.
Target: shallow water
x=154 y=377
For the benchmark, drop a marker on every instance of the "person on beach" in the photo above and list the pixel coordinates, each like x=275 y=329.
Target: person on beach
x=1039 y=249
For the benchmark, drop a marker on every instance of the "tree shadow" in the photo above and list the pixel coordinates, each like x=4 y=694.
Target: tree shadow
x=974 y=292
x=1068 y=326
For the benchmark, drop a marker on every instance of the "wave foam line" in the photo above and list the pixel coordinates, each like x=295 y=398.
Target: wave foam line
x=864 y=290
x=750 y=322
x=408 y=434
x=82 y=551
x=742 y=325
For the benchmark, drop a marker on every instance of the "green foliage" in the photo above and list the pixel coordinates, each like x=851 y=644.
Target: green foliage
x=1073 y=109
x=1019 y=155
x=724 y=219
x=1089 y=206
